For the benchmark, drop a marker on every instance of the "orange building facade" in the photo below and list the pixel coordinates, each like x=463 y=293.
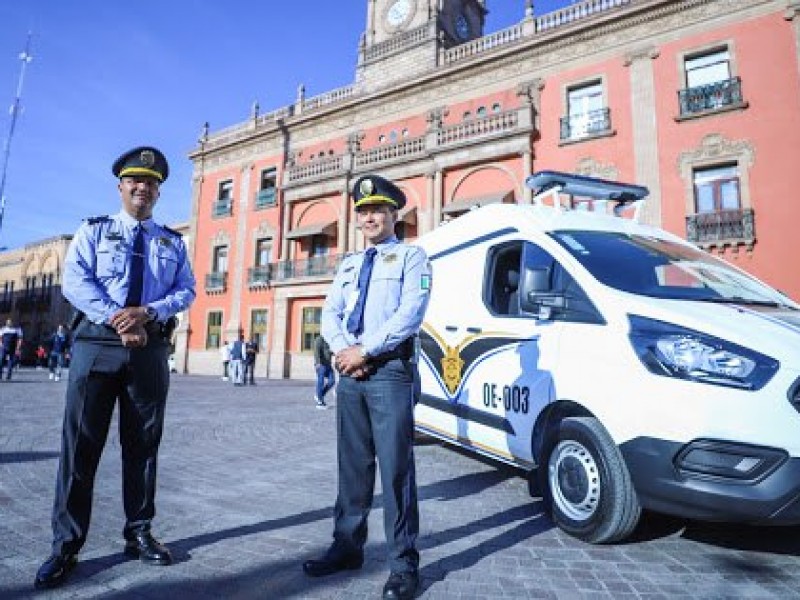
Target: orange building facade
x=698 y=100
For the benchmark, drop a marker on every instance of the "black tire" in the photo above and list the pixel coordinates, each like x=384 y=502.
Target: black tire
x=585 y=482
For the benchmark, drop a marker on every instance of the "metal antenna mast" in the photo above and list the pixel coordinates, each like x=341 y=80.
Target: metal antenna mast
x=25 y=57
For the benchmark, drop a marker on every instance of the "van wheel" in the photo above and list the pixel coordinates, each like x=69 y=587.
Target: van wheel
x=587 y=486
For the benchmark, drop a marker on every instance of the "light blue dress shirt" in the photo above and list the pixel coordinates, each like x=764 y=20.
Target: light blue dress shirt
x=97 y=268
x=397 y=298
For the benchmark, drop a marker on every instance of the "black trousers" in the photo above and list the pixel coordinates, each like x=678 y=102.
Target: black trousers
x=375 y=419
x=99 y=377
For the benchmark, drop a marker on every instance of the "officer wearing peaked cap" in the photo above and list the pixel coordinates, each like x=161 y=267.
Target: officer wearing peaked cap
x=370 y=320
x=127 y=277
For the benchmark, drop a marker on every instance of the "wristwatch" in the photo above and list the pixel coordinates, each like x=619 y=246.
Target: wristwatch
x=152 y=313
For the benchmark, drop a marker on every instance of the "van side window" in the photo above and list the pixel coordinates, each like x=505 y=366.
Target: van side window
x=502 y=284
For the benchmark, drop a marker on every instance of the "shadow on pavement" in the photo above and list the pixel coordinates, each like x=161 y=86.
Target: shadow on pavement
x=775 y=540
x=7 y=458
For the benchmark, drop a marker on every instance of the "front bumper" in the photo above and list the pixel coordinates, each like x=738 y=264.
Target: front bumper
x=714 y=480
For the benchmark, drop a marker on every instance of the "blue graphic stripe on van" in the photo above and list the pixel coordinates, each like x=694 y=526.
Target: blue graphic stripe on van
x=462 y=411
x=474 y=242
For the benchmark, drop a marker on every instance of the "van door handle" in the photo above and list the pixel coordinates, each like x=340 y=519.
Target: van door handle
x=451 y=328
x=474 y=330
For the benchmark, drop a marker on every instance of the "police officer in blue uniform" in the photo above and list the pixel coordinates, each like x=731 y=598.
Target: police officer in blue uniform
x=370 y=320
x=127 y=277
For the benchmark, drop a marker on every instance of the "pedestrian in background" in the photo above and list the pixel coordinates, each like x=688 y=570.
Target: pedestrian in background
x=225 y=355
x=59 y=345
x=250 y=353
x=323 y=365
x=41 y=357
x=371 y=317
x=237 y=361
x=10 y=347
x=128 y=277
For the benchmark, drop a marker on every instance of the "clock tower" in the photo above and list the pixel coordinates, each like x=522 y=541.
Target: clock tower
x=403 y=37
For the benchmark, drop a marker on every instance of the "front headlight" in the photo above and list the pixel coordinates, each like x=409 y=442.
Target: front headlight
x=674 y=351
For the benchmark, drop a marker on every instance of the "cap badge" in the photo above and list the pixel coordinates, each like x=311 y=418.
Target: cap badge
x=367 y=187
x=148 y=158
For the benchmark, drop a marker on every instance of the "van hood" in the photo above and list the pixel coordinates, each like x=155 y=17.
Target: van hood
x=772 y=331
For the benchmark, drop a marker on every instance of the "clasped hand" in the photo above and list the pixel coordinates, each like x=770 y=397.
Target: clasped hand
x=350 y=362
x=129 y=324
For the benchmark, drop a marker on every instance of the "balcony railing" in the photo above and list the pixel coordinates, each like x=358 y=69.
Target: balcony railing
x=710 y=97
x=259 y=276
x=477 y=128
x=315 y=266
x=217 y=282
x=222 y=207
x=591 y=123
x=265 y=197
x=721 y=226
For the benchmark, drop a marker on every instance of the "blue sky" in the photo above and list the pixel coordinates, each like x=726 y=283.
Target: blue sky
x=110 y=75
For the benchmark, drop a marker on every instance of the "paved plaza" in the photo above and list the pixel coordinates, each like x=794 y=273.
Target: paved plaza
x=246 y=486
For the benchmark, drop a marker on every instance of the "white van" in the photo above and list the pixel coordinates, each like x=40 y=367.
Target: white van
x=623 y=366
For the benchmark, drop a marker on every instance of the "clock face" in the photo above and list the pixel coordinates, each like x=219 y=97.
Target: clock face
x=462 y=27
x=399 y=12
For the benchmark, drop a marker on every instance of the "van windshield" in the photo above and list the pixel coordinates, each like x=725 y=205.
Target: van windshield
x=661 y=268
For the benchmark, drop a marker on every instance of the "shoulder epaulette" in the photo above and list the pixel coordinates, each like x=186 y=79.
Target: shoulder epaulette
x=95 y=220
x=172 y=231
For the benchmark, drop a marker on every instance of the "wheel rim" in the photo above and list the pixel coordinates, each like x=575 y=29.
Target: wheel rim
x=574 y=480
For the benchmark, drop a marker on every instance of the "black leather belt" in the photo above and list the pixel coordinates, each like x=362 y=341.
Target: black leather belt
x=404 y=351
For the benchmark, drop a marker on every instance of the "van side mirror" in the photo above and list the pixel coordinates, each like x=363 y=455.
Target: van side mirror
x=537 y=296
x=536 y=281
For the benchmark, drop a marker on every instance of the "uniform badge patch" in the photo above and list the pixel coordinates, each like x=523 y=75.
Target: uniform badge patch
x=165 y=241
x=390 y=258
x=367 y=187
x=425 y=281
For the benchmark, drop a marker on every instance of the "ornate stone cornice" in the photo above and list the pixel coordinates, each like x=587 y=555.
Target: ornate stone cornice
x=713 y=147
x=792 y=10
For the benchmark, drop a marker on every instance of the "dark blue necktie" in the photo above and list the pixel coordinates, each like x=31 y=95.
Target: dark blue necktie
x=355 y=322
x=136 y=281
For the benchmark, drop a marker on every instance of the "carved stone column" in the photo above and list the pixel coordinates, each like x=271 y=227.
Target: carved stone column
x=236 y=274
x=645 y=129
x=527 y=171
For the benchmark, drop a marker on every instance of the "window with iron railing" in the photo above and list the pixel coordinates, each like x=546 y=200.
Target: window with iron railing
x=585 y=125
x=260 y=275
x=710 y=83
x=216 y=281
x=719 y=214
x=587 y=114
x=266 y=194
x=223 y=205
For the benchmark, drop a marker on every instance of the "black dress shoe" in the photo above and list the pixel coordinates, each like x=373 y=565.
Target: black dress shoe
x=332 y=563
x=401 y=586
x=147 y=549
x=55 y=571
